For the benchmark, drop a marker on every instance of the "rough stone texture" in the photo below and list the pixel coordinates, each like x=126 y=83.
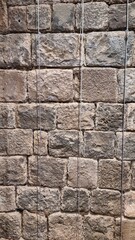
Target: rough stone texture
x=3 y=142
x=87 y=173
x=130 y=116
x=99 y=85
x=7 y=116
x=98 y=227
x=105 y=202
x=59 y=50
x=13 y=86
x=40 y=142
x=13 y=170
x=17 y=19
x=99 y=144
x=95 y=16
x=110 y=174
x=10 y=225
x=108 y=49
x=129 y=205
x=3 y=16
x=7 y=199
x=52 y=171
x=53 y=85
x=34 y=226
x=20 y=2
x=133 y=175
x=65 y=226
x=128 y=229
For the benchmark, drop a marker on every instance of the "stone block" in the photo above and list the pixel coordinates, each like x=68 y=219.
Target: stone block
x=98 y=227
x=10 y=225
x=55 y=85
x=15 y=50
x=20 y=142
x=34 y=226
x=19 y=2
x=99 y=85
x=13 y=170
x=3 y=142
x=40 y=142
x=47 y=171
x=57 y=50
x=109 y=116
x=99 y=144
x=7 y=116
x=110 y=174
x=87 y=173
x=35 y=116
x=42 y=199
x=131 y=116
x=65 y=226
x=105 y=202
x=44 y=15
x=129 y=204
x=64 y=143
x=3 y=16
x=95 y=16
x=112 y=52
x=128 y=231
x=74 y=200
x=7 y=199
x=133 y=175
x=13 y=86
x=17 y=19
x=63 y=17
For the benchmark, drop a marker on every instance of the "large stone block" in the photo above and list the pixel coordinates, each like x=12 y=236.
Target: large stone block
x=3 y=142
x=3 y=16
x=95 y=16
x=47 y=171
x=50 y=85
x=59 y=50
x=13 y=86
x=129 y=204
x=99 y=144
x=13 y=170
x=82 y=173
x=99 y=85
x=7 y=116
x=17 y=19
x=131 y=116
x=128 y=230
x=19 y=2
x=108 y=49
x=133 y=175
x=15 y=50
x=40 y=142
x=7 y=199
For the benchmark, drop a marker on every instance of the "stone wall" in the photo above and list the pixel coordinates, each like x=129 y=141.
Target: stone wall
x=38 y=182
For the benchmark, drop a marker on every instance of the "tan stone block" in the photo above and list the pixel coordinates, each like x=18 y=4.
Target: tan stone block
x=40 y=142
x=131 y=116
x=129 y=204
x=3 y=142
x=17 y=19
x=133 y=175
x=3 y=16
x=7 y=116
x=19 y=2
x=7 y=199
x=128 y=230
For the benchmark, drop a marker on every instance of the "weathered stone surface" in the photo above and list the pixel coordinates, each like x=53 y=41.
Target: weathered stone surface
x=42 y=199
x=59 y=50
x=7 y=199
x=3 y=16
x=99 y=144
x=105 y=202
x=44 y=14
x=10 y=225
x=98 y=227
x=129 y=146
x=68 y=116
x=73 y=199
x=109 y=116
x=63 y=143
x=52 y=171
x=110 y=174
x=15 y=50
x=52 y=86
x=87 y=173
x=129 y=205
x=3 y=142
x=63 y=17
x=40 y=142
x=20 y=142
x=7 y=116
x=131 y=116
x=13 y=86
x=99 y=85
x=65 y=226
x=108 y=49
x=95 y=16
x=35 y=116
x=13 y=170
x=128 y=229
x=133 y=175
x=20 y=2
x=34 y=226
x=17 y=19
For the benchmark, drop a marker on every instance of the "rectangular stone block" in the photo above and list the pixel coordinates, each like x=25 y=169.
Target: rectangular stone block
x=13 y=170
x=112 y=52
x=99 y=144
x=35 y=116
x=57 y=50
x=130 y=116
x=15 y=50
x=128 y=231
x=85 y=176
x=3 y=142
x=47 y=171
x=17 y=19
x=13 y=86
x=3 y=16
x=40 y=143
x=129 y=204
x=55 y=85
x=7 y=199
x=20 y=2
x=7 y=116
x=133 y=175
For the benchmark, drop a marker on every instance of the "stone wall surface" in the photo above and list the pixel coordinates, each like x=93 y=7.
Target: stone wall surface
x=49 y=189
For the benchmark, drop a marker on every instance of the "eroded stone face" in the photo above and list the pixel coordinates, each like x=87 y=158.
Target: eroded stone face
x=7 y=199
x=129 y=205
